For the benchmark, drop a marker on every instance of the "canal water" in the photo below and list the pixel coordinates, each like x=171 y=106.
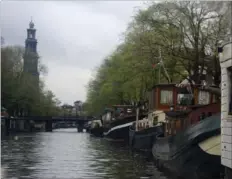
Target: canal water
x=66 y=154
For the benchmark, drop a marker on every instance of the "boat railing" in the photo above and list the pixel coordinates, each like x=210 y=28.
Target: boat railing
x=176 y=123
x=203 y=112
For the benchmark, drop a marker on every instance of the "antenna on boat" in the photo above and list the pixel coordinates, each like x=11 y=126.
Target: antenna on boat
x=137 y=118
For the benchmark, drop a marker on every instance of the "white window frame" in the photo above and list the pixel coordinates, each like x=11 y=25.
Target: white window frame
x=203 y=97
x=167 y=98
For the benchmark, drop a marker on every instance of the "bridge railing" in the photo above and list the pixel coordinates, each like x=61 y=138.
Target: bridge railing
x=45 y=118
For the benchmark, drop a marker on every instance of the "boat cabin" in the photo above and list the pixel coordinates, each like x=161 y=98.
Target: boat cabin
x=183 y=105
x=117 y=112
x=165 y=97
x=176 y=121
x=181 y=119
x=121 y=111
x=96 y=123
x=106 y=116
x=153 y=119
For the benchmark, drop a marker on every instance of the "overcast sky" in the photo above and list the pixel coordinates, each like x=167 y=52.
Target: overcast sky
x=73 y=37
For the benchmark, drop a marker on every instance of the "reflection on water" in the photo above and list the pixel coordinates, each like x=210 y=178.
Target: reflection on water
x=67 y=154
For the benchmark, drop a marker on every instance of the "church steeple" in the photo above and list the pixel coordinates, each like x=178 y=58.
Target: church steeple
x=31 y=56
x=31 y=42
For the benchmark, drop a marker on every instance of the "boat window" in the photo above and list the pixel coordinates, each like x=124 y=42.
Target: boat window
x=184 y=99
x=155 y=120
x=203 y=97
x=166 y=97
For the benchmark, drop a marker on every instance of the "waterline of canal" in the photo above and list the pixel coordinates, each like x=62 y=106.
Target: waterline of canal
x=66 y=154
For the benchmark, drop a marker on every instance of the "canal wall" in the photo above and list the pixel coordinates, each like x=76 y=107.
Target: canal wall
x=14 y=125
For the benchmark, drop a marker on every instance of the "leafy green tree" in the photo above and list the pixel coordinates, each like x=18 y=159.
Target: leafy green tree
x=189 y=33
x=186 y=36
x=19 y=94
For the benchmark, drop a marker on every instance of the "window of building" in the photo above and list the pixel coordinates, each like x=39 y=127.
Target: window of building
x=230 y=90
x=166 y=97
x=203 y=97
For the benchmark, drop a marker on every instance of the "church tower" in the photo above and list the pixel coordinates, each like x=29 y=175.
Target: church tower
x=31 y=57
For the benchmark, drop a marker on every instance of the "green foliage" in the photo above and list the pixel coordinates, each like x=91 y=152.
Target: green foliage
x=19 y=95
x=186 y=33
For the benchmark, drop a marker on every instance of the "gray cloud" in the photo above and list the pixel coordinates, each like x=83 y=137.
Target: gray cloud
x=73 y=37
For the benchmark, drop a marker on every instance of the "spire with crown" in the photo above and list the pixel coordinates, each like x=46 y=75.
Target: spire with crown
x=31 y=42
x=31 y=56
x=31 y=24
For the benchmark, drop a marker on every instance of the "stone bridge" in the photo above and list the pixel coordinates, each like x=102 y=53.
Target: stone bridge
x=23 y=123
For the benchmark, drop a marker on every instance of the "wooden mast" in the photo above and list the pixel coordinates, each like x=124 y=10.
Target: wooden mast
x=137 y=119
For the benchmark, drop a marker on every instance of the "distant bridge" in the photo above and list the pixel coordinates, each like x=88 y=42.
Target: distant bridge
x=56 y=118
x=48 y=120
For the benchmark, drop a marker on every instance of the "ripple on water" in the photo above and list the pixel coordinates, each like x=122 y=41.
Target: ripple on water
x=67 y=154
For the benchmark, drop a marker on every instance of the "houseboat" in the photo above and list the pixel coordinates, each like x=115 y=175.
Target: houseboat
x=163 y=98
x=99 y=125
x=226 y=107
x=107 y=118
x=117 y=129
x=143 y=132
x=96 y=128
x=187 y=125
